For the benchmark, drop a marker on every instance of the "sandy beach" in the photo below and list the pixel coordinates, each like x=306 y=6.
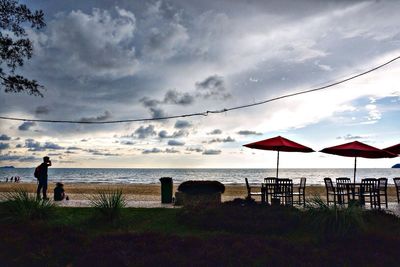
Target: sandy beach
x=152 y=192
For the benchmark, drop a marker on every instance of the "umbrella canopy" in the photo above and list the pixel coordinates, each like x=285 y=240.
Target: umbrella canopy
x=279 y=143
x=357 y=149
x=393 y=149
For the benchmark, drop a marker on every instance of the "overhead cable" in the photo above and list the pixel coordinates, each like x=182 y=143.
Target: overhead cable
x=205 y=113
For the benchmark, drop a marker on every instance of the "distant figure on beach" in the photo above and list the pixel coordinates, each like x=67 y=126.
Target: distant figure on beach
x=59 y=193
x=12 y=178
x=7 y=180
x=41 y=175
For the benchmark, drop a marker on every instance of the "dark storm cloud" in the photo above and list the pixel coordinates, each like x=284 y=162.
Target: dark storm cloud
x=171 y=97
x=9 y=157
x=177 y=98
x=181 y=124
x=4 y=137
x=102 y=117
x=152 y=151
x=42 y=110
x=177 y=134
x=157 y=150
x=74 y=148
x=144 y=132
x=212 y=83
x=212 y=87
x=194 y=149
x=26 y=126
x=32 y=145
x=215 y=132
x=211 y=152
x=97 y=152
x=222 y=140
x=180 y=133
x=175 y=143
x=247 y=132
x=4 y=146
x=163 y=134
x=148 y=102
x=157 y=112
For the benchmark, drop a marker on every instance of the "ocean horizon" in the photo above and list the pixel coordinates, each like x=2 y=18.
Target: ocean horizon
x=314 y=176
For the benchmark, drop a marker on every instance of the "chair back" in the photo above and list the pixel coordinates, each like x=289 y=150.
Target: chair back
x=303 y=181
x=329 y=184
x=396 y=181
x=247 y=186
x=270 y=180
x=343 y=180
x=369 y=185
x=382 y=184
x=285 y=186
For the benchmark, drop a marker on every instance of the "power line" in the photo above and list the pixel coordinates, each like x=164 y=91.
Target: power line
x=212 y=111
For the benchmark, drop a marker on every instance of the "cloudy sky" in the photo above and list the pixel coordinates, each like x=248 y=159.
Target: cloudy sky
x=112 y=60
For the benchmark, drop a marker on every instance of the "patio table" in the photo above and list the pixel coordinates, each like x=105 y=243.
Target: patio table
x=352 y=189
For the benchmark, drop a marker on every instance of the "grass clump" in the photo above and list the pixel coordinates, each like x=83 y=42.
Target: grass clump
x=109 y=204
x=334 y=222
x=24 y=206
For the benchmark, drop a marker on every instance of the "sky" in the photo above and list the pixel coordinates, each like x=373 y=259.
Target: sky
x=114 y=60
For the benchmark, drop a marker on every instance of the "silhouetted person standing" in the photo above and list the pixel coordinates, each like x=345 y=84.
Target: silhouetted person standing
x=42 y=177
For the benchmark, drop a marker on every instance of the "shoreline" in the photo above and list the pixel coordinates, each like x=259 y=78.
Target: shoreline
x=152 y=192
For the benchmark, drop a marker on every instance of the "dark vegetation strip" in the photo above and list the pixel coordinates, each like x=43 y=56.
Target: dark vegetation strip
x=232 y=234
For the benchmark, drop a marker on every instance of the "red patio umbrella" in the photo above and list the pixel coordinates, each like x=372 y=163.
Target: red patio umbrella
x=393 y=149
x=357 y=149
x=279 y=144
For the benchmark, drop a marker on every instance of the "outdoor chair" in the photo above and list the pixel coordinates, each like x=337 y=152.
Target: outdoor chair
x=300 y=192
x=269 y=186
x=332 y=191
x=284 y=191
x=369 y=192
x=250 y=193
x=343 y=186
x=382 y=191
x=397 y=184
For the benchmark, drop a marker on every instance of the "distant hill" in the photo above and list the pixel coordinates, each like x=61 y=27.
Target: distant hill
x=7 y=167
x=396 y=165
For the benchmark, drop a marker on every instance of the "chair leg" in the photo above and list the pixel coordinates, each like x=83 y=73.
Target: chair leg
x=386 y=201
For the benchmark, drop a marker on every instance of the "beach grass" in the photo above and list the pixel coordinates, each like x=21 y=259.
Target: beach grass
x=24 y=206
x=231 y=234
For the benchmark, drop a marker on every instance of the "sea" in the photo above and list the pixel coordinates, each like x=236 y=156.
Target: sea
x=225 y=176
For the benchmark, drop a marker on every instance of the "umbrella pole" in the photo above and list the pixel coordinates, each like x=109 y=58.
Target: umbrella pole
x=355 y=169
x=277 y=166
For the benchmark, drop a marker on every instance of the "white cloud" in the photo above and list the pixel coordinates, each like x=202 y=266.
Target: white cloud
x=89 y=44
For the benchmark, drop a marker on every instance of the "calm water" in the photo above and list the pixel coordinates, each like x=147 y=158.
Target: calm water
x=226 y=176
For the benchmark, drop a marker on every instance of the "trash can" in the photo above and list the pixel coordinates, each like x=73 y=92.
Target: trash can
x=166 y=189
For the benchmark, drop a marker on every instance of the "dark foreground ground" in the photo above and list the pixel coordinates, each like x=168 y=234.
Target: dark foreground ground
x=228 y=235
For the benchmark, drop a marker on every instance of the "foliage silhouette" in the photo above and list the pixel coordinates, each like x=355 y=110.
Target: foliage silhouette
x=23 y=206
x=15 y=47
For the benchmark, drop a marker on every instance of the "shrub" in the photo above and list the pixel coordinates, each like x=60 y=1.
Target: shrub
x=201 y=187
x=334 y=222
x=243 y=217
x=24 y=206
x=109 y=203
